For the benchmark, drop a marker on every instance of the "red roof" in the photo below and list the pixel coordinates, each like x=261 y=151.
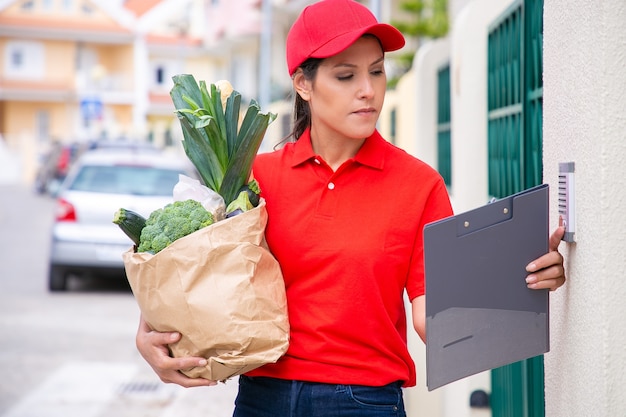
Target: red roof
x=139 y=7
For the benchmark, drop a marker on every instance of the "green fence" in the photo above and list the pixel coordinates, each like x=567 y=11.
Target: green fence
x=515 y=92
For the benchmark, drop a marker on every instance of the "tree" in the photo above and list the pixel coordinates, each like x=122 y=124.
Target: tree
x=429 y=19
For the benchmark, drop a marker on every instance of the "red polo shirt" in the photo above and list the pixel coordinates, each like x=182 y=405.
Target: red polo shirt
x=349 y=243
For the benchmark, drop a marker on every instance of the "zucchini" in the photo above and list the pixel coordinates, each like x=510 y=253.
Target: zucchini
x=130 y=222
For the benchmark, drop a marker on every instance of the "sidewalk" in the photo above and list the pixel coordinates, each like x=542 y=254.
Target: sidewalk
x=122 y=389
x=10 y=165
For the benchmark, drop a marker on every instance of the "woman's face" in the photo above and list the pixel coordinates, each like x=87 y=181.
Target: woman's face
x=347 y=94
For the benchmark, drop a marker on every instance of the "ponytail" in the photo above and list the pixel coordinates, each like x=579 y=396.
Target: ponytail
x=301 y=109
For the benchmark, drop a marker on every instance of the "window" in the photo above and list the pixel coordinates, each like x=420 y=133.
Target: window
x=135 y=180
x=27 y=5
x=24 y=59
x=162 y=71
x=444 y=135
x=17 y=58
x=43 y=125
x=169 y=140
x=86 y=58
x=159 y=75
x=87 y=8
x=68 y=5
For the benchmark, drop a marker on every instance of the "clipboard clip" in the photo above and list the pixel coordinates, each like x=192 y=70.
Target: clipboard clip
x=496 y=211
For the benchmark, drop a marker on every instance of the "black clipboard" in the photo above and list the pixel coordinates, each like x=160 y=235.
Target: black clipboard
x=479 y=313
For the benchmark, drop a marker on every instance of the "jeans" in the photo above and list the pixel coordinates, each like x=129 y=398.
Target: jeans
x=271 y=397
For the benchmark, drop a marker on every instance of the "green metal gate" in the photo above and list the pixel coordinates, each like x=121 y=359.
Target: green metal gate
x=515 y=93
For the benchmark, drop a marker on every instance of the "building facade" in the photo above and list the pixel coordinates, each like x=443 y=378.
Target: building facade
x=75 y=71
x=492 y=119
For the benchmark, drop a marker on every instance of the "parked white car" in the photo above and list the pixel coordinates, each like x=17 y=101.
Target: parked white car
x=84 y=238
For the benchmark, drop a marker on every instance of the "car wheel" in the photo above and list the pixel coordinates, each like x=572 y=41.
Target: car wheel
x=57 y=278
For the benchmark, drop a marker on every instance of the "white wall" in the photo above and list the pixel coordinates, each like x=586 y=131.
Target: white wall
x=428 y=60
x=468 y=82
x=585 y=122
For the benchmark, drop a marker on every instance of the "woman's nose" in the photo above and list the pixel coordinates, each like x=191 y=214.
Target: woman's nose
x=366 y=88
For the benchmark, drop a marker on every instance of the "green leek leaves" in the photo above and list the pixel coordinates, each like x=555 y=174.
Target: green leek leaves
x=220 y=149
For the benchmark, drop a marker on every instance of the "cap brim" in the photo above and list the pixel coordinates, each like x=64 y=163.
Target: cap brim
x=390 y=38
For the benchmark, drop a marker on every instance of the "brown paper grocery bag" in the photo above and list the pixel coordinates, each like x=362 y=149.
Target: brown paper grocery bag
x=222 y=289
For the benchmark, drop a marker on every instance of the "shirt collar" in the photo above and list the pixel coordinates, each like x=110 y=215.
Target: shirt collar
x=371 y=154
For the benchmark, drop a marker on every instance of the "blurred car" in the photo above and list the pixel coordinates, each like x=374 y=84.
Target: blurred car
x=55 y=165
x=84 y=239
x=124 y=144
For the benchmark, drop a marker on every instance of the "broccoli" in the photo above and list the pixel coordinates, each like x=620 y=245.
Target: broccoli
x=175 y=220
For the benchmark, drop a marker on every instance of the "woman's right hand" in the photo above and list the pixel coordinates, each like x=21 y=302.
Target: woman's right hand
x=152 y=346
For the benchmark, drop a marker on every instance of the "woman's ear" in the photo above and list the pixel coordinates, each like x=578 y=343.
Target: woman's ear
x=301 y=85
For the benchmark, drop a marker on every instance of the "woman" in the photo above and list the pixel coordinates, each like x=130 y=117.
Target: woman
x=346 y=211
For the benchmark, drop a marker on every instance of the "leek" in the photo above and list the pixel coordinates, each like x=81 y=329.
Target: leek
x=221 y=150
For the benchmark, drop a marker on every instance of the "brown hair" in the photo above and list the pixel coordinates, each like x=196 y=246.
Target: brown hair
x=301 y=109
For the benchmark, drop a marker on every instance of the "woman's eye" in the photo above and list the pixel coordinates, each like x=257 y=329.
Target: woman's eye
x=344 y=77
x=378 y=72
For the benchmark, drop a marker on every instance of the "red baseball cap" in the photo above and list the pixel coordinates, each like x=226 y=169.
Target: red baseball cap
x=328 y=27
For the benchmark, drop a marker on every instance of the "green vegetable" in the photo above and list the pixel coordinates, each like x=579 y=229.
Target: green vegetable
x=130 y=222
x=175 y=220
x=253 y=190
x=219 y=147
x=242 y=202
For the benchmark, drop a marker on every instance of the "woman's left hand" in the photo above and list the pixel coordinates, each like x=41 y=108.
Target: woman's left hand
x=548 y=271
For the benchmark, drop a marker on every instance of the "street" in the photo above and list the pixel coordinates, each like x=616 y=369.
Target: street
x=73 y=354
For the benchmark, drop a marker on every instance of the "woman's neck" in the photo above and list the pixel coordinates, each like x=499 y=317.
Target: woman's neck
x=335 y=151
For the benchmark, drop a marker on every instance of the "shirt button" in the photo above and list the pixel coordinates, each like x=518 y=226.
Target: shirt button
x=317 y=161
x=331 y=186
